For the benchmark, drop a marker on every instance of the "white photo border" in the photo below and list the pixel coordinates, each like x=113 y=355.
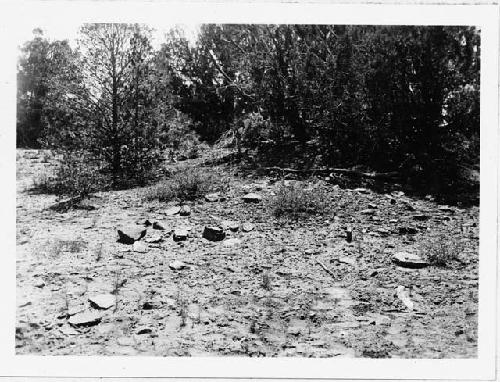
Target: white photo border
x=17 y=16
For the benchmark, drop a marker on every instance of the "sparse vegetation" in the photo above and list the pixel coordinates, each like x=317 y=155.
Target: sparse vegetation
x=443 y=248
x=297 y=201
x=188 y=183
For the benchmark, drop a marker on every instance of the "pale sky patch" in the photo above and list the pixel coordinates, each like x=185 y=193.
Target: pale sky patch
x=69 y=31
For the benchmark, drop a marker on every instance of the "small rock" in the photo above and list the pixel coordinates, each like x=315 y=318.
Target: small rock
x=172 y=211
x=154 y=239
x=446 y=209
x=368 y=211
x=231 y=225
x=39 y=284
x=126 y=341
x=214 y=233
x=421 y=217
x=177 y=265
x=407 y=230
x=231 y=242
x=140 y=247
x=373 y=206
x=215 y=197
x=348 y=233
x=144 y=222
x=185 y=211
x=159 y=225
x=252 y=198
x=362 y=190
x=144 y=330
x=128 y=235
x=404 y=296
x=85 y=319
x=409 y=260
x=102 y=301
x=180 y=234
x=247 y=227
x=347 y=260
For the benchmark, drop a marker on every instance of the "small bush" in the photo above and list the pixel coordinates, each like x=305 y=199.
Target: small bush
x=188 y=184
x=443 y=248
x=295 y=201
x=76 y=177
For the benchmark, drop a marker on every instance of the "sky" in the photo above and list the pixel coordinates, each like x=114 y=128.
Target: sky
x=62 y=31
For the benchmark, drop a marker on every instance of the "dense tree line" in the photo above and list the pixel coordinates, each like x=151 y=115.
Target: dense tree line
x=402 y=98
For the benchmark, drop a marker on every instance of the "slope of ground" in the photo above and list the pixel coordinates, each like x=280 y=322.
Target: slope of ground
x=285 y=288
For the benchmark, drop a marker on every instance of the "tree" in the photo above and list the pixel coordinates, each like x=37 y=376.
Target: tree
x=40 y=61
x=118 y=107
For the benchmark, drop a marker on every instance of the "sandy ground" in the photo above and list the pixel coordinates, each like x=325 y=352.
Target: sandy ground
x=286 y=288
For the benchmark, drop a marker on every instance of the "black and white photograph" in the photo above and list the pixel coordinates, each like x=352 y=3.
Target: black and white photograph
x=287 y=190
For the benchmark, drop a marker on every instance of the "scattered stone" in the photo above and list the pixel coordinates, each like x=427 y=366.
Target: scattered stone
x=180 y=234
x=149 y=305
x=145 y=222
x=231 y=225
x=128 y=235
x=214 y=233
x=172 y=211
x=247 y=227
x=348 y=233
x=362 y=190
x=409 y=260
x=154 y=239
x=102 y=301
x=39 y=284
x=404 y=296
x=68 y=331
x=160 y=225
x=170 y=302
x=346 y=260
x=144 y=330
x=408 y=230
x=421 y=217
x=185 y=210
x=383 y=231
x=373 y=206
x=252 y=198
x=231 y=242
x=140 y=247
x=126 y=341
x=85 y=319
x=177 y=265
x=446 y=209
x=214 y=197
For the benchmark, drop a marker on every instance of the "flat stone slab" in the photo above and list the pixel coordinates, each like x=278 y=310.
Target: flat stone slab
x=128 y=235
x=172 y=211
x=180 y=234
x=214 y=233
x=177 y=265
x=140 y=247
x=409 y=260
x=85 y=319
x=252 y=198
x=102 y=301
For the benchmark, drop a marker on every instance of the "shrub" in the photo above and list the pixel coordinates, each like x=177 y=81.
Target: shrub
x=442 y=248
x=188 y=183
x=296 y=201
x=76 y=177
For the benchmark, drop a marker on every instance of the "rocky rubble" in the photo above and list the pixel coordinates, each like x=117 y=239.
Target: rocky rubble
x=346 y=284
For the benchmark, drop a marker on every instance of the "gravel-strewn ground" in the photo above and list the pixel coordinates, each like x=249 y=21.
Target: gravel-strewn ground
x=267 y=295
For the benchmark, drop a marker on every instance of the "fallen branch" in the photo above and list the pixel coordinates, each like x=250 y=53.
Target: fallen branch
x=325 y=268
x=331 y=171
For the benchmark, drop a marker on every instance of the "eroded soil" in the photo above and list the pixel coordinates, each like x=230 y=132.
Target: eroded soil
x=289 y=288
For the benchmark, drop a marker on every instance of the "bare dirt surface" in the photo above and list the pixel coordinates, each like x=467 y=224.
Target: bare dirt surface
x=285 y=288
